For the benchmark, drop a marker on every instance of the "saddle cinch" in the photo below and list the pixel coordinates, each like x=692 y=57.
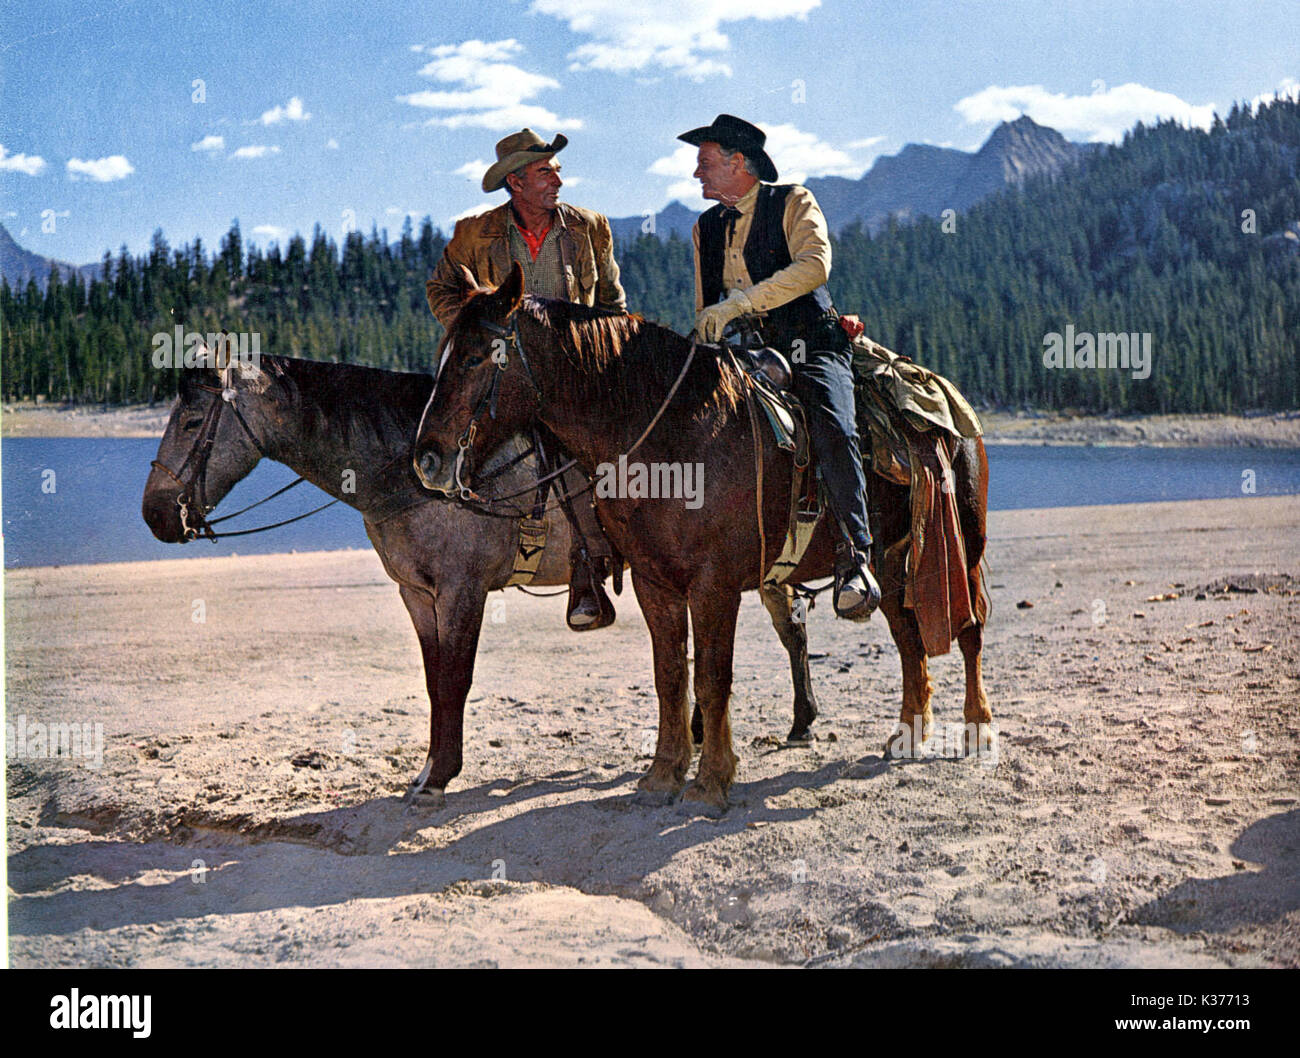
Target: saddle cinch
x=910 y=418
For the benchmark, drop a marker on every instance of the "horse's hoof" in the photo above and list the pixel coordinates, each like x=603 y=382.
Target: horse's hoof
x=902 y=745
x=981 y=741
x=704 y=799
x=661 y=778
x=799 y=736
x=425 y=798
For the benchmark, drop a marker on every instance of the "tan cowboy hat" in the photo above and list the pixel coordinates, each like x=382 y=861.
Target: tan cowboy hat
x=517 y=150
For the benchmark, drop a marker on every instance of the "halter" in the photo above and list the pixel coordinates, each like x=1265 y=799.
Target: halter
x=465 y=442
x=201 y=453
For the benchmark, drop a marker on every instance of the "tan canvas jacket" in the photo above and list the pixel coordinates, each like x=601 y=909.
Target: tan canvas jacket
x=482 y=245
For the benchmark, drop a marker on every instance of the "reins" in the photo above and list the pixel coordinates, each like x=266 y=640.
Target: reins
x=200 y=454
x=489 y=399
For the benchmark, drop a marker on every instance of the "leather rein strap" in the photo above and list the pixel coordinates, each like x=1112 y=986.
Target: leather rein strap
x=489 y=398
x=200 y=454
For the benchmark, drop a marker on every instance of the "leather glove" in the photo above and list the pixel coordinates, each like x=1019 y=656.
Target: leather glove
x=712 y=321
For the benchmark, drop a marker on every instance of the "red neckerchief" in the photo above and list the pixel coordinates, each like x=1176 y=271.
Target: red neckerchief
x=533 y=239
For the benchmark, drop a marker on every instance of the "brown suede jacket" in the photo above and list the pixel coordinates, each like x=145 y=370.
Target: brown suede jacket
x=481 y=244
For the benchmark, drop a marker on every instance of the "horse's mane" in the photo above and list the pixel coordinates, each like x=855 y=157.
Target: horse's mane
x=349 y=401
x=623 y=364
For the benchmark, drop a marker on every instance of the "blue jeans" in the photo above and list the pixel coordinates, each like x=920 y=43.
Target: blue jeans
x=824 y=384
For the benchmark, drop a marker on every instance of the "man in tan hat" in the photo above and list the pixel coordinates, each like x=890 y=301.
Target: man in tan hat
x=565 y=253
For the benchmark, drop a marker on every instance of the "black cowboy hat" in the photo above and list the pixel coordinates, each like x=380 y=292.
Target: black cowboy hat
x=730 y=131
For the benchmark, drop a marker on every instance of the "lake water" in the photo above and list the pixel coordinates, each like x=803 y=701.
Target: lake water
x=92 y=511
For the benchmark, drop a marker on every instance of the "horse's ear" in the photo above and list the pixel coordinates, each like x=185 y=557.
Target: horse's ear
x=511 y=292
x=468 y=280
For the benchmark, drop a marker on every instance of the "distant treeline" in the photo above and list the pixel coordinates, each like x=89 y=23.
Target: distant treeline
x=1177 y=233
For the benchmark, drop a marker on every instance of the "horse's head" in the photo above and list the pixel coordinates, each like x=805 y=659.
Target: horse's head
x=205 y=451
x=484 y=393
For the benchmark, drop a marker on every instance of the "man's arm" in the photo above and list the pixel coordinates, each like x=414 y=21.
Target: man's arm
x=445 y=289
x=699 y=286
x=609 y=291
x=809 y=242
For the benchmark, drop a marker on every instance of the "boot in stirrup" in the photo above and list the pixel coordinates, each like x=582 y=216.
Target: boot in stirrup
x=589 y=607
x=856 y=592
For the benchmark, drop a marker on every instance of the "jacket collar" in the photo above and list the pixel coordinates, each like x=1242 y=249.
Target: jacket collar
x=496 y=221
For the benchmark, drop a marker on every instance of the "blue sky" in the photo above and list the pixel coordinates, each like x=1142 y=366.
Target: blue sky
x=348 y=114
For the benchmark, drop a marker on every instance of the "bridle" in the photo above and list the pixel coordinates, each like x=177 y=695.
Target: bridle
x=200 y=454
x=488 y=400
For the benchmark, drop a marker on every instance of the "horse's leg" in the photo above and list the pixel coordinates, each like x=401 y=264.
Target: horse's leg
x=915 y=721
x=794 y=637
x=975 y=710
x=448 y=629
x=665 y=614
x=713 y=618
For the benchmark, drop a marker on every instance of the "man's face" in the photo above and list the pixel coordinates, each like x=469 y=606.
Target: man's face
x=721 y=176
x=537 y=185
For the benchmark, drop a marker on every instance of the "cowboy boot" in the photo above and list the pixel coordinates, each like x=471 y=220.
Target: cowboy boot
x=856 y=592
x=589 y=607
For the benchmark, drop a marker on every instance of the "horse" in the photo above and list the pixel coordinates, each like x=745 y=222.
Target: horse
x=610 y=385
x=348 y=430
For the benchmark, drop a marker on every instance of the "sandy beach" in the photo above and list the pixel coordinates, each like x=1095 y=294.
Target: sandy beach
x=1272 y=430
x=1143 y=667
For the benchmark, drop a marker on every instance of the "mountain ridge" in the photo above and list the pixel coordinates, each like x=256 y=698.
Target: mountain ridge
x=921 y=180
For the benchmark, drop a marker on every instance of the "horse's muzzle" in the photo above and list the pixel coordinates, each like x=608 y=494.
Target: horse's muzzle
x=436 y=473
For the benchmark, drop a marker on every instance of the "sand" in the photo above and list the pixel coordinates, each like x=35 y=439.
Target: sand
x=1142 y=809
x=1266 y=430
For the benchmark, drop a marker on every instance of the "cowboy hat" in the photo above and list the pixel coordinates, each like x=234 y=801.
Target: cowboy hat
x=730 y=131
x=517 y=150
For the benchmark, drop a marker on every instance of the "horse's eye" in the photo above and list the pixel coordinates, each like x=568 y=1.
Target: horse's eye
x=474 y=360
x=194 y=423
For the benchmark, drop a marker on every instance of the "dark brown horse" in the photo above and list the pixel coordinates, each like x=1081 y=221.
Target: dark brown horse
x=348 y=430
x=597 y=381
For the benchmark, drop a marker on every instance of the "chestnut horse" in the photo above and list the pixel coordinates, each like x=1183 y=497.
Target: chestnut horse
x=599 y=381
x=348 y=430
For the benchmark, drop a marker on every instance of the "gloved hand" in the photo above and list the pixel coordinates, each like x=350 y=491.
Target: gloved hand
x=713 y=320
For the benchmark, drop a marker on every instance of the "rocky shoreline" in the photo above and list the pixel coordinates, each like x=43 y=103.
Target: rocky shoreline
x=1265 y=430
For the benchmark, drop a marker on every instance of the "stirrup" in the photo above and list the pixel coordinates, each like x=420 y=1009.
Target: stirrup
x=581 y=618
x=856 y=592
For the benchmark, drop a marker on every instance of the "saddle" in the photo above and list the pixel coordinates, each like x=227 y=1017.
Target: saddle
x=909 y=420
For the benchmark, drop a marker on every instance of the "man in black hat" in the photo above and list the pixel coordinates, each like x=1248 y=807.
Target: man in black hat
x=566 y=252
x=767 y=249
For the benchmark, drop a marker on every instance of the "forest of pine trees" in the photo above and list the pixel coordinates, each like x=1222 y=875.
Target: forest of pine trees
x=1150 y=236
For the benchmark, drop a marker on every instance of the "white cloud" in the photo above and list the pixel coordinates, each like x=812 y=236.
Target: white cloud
x=30 y=164
x=674 y=35
x=291 y=111
x=473 y=211
x=797 y=155
x=332 y=144
x=1103 y=116
x=1288 y=89
x=473 y=171
x=258 y=151
x=209 y=143
x=270 y=231
x=101 y=170
x=487 y=91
